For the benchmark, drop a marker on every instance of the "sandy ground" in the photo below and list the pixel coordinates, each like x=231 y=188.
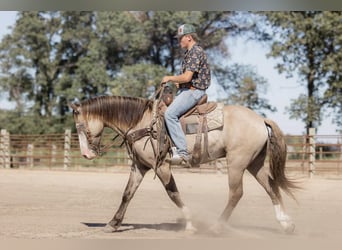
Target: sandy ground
x=43 y=204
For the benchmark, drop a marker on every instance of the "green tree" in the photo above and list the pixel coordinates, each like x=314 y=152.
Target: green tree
x=309 y=43
x=51 y=58
x=48 y=59
x=147 y=38
x=140 y=37
x=138 y=80
x=82 y=61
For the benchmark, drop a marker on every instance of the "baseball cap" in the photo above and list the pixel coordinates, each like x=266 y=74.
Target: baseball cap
x=185 y=29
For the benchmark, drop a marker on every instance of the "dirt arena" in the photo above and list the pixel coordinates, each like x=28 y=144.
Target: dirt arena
x=43 y=204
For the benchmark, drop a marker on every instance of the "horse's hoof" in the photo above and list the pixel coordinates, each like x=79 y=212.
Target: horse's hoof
x=216 y=229
x=190 y=229
x=109 y=229
x=288 y=226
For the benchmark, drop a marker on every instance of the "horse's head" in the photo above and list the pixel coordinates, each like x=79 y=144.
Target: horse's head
x=118 y=113
x=89 y=130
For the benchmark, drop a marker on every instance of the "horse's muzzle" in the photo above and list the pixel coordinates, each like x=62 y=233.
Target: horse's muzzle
x=88 y=154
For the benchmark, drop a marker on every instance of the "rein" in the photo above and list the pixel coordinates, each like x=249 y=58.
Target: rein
x=151 y=131
x=105 y=148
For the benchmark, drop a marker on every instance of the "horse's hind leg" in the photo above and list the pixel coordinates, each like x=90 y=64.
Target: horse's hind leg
x=136 y=176
x=166 y=177
x=261 y=173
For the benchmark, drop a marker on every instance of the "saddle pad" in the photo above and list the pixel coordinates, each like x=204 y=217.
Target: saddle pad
x=214 y=120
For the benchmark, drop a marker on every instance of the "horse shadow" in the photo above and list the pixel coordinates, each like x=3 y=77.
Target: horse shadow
x=240 y=231
x=175 y=227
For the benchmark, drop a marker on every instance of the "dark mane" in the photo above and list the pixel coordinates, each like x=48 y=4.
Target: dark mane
x=121 y=110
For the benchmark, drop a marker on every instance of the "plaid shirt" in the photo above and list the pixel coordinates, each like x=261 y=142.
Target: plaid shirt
x=195 y=60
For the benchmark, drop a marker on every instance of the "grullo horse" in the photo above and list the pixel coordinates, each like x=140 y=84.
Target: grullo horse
x=245 y=140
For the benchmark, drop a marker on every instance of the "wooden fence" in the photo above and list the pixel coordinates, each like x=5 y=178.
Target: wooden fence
x=54 y=151
x=310 y=154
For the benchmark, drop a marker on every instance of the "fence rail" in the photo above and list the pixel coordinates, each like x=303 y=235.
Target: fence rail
x=310 y=154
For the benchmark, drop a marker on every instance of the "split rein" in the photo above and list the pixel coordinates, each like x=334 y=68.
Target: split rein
x=130 y=138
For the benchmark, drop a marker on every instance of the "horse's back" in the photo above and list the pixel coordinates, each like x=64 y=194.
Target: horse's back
x=242 y=114
x=243 y=125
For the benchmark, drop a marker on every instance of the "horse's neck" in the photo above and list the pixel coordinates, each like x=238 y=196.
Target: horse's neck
x=144 y=123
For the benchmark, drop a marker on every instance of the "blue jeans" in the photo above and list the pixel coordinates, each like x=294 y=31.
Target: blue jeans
x=185 y=100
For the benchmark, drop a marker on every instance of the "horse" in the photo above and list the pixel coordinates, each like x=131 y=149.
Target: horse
x=245 y=140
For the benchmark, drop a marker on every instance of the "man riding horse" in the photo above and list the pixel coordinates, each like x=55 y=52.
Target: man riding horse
x=192 y=84
x=245 y=139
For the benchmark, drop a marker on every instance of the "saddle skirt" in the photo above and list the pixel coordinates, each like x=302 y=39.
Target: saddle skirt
x=211 y=110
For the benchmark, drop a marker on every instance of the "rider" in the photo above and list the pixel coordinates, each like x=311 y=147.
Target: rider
x=192 y=83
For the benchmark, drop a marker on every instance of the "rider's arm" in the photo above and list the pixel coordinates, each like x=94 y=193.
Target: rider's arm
x=183 y=78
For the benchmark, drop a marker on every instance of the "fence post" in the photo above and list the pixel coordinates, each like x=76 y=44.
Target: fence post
x=339 y=154
x=312 y=151
x=67 y=143
x=304 y=151
x=53 y=154
x=5 y=149
x=29 y=154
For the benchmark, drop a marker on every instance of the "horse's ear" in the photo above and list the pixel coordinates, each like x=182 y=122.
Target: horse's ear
x=74 y=107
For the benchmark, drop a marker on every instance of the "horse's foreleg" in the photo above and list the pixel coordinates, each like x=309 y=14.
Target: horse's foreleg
x=169 y=183
x=135 y=178
x=235 y=174
x=235 y=192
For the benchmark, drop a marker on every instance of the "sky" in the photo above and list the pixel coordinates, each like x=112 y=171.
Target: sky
x=279 y=92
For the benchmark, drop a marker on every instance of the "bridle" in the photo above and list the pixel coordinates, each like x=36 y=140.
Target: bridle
x=83 y=128
x=129 y=137
x=94 y=146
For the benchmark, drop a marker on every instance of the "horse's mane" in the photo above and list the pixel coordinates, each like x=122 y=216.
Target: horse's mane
x=121 y=110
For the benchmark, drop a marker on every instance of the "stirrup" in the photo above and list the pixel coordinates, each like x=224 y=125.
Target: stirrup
x=179 y=160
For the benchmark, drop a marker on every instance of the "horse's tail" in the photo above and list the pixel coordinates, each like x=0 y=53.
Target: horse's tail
x=277 y=160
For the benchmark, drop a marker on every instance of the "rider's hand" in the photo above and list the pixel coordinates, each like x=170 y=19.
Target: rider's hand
x=165 y=80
